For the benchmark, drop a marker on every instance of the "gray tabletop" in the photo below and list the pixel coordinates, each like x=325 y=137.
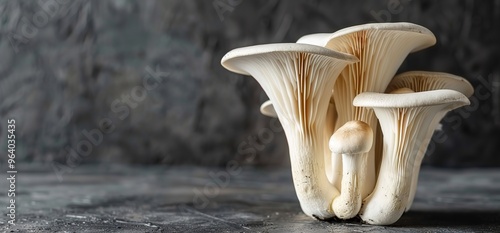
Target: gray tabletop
x=191 y=199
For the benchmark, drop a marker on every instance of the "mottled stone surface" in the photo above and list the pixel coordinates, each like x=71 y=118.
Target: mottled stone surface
x=158 y=199
x=64 y=63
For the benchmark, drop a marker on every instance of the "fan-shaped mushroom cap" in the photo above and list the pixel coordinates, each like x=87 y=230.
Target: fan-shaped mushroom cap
x=427 y=81
x=233 y=59
x=353 y=137
x=410 y=100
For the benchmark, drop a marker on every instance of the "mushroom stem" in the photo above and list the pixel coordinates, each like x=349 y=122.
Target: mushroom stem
x=404 y=120
x=348 y=203
x=351 y=140
x=313 y=189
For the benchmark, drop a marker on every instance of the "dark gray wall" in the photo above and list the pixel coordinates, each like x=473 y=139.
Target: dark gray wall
x=70 y=67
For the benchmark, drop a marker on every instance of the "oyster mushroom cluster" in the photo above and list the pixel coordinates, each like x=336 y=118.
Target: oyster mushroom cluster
x=356 y=131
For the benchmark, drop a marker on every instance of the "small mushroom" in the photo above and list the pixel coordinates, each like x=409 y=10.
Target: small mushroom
x=404 y=120
x=381 y=48
x=352 y=141
x=427 y=81
x=298 y=79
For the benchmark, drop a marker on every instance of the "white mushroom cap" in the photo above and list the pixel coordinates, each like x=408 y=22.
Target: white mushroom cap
x=404 y=120
x=298 y=79
x=426 y=81
x=232 y=59
x=353 y=137
x=319 y=39
x=327 y=39
x=267 y=109
x=410 y=100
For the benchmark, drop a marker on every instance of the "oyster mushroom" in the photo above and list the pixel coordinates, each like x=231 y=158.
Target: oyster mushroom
x=425 y=81
x=298 y=79
x=381 y=48
x=352 y=141
x=404 y=120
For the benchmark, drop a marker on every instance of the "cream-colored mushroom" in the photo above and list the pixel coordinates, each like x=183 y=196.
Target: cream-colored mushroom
x=298 y=79
x=381 y=48
x=352 y=141
x=404 y=120
x=425 y=81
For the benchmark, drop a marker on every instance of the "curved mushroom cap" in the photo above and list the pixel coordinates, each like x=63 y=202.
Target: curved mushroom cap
x=426 y=81
x=420 y=36
x=381 y=48
x=236 y=55
x=328 y=40
x=354 y=137
x=267 y=109
x=295 y=77
x=408 y=100
x=319 y=39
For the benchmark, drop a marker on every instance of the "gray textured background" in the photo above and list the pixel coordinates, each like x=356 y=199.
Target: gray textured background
x=68 y=66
